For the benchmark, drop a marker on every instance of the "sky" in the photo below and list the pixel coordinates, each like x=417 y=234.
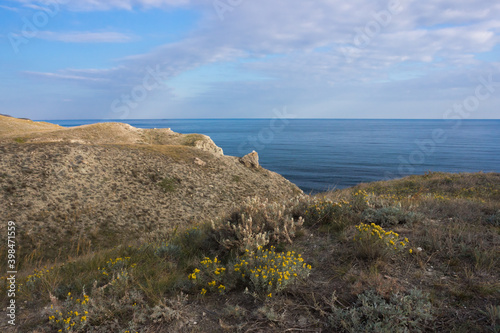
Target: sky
x=148 y=59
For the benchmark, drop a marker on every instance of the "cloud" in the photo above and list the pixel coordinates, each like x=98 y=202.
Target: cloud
x=64 y=75
x=86 y=37
x=421 y=50
x=94 y=5
x=13 y=9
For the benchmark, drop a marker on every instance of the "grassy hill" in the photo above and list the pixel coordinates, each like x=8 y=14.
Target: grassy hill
x=90 y=187
x=10 y=126
x=167 y=245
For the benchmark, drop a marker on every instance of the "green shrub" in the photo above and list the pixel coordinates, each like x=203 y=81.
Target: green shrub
x=20 y=140
x=326 y=212
x=359 y=200
x=38 y=277
x=492 y=313
x=185 y=245
x=211 y=276
x=72 y=315
x=390 y=216
x=494 y=219
x=372 y=313
x=170 y=251
x=168 y=184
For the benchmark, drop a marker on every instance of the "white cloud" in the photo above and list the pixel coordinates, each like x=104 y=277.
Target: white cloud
x=425 y=49
x=86 y=37
x=9 y=8
x=91 y=5
x=63 y=76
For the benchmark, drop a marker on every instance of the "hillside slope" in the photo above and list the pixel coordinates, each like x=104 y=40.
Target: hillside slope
x=14 y=126
x=418 y=254
x=95 y=185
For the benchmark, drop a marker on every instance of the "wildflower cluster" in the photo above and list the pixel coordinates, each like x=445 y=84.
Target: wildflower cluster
x=359 y=200
x=373 y=235
x=391 y=197
x=211 y=276
x=118 y=263
x=34 y=279
x=70 y=320
x=270 y=271
x=440 y=197
x=265 y=271
x=117 y=267
x=324 y=211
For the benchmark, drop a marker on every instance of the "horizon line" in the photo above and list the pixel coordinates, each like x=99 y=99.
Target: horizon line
x=298 y=118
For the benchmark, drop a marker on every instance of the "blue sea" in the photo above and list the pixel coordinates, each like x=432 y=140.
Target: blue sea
x=323 y=154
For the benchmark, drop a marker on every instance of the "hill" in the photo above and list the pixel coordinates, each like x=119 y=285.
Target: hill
x=13 y=126
x=92 y=186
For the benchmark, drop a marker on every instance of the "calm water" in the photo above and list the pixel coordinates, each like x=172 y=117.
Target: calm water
x=322 y=154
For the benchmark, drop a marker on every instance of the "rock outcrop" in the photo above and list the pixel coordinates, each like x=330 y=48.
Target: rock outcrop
x=251 y=160
x=205 y=143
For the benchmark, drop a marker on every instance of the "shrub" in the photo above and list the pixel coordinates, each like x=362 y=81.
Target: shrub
x=372 y=313
x=375 y=242
x=168 y=184
x=72 y=315
x=211 y=276
x=20 y=140
x=258 y=223
x=359 y=200
x=390 y=216
x=271 y=272
x=167 y=250
x=492 y=313
x=326 y=212
x=117 y=267
x=263 y=271
x=39 y=276
x=185 y=245
x=494 y=219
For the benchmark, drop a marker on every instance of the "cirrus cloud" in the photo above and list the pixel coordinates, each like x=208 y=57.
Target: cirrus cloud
x=86 y=37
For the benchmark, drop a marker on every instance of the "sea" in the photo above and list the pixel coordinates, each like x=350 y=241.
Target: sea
x=326 y=154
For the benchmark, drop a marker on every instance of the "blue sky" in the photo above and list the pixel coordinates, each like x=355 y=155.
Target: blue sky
x=119 y=59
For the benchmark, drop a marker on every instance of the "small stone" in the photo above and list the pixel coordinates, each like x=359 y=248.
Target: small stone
x=251 y=160
x=199 y=162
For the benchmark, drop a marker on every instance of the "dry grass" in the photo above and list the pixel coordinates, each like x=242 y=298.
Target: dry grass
x=19 y=127
x=448 y=283
x=26 y=131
